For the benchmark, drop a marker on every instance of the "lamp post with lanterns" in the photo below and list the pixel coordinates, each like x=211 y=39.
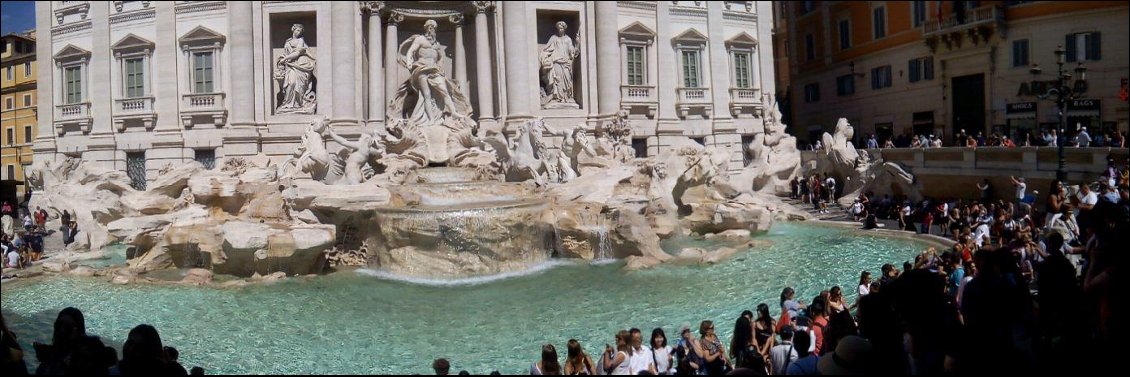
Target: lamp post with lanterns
x=1061 y=92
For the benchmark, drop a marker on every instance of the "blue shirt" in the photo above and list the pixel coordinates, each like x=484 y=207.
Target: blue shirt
x=805 y=366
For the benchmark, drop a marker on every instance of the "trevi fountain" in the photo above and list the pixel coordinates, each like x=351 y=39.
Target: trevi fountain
x=432 y=237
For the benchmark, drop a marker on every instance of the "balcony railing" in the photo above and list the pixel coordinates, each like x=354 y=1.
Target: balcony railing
x=134 y=105
x=694 y=95
x=637 y=93
x=204 y=101
x=973 y=17
x=73 y=111
x=205 y=104
x=744 y=95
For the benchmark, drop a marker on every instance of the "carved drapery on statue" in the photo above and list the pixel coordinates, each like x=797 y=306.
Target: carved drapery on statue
x=557 y=59
x=294 y=71
x=440 y=109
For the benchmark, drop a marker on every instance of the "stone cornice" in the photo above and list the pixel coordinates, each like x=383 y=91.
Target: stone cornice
x=644 y=5
x=678 y=10
x=733 y=15
x=133 y=16
x=71 y=28
x=200 y=6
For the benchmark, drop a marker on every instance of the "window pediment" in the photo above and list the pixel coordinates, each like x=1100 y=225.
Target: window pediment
x=743 y=39
x=637 y=31
x=690 y=38
x=71 y=53
x=132 y=43
x=201 y=36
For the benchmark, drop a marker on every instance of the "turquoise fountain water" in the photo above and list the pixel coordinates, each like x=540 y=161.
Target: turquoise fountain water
x=354 y=322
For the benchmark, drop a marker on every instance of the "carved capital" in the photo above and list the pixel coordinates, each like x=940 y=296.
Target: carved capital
x=373 y=7
x=484 y=6
x=395 y=18
x=456 y=19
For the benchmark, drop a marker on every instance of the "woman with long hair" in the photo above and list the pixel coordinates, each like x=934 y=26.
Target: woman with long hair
x=615 y=362
x=577 y=362
x=742 y=340
x=143 y=355
x=548 y=366
x=661 y=353
x=864 y=283
x=763 y=330
x=69 y=328
x=1056 y=197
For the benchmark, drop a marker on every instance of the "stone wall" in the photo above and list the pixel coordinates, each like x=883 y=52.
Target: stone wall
x=955 y=172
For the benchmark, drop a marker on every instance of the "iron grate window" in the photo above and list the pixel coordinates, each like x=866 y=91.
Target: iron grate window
x=135 y=169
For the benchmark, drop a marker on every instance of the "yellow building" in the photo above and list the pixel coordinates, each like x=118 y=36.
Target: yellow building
x=17 y=107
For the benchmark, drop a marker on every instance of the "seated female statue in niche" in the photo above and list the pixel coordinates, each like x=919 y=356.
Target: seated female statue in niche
x=557 y=69
x=295 y=72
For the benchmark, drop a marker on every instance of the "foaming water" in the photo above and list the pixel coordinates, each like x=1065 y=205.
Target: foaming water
x=536 y=268
x=358 y=322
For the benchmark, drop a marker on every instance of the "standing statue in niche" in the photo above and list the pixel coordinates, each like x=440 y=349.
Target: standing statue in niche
x=557 y=69
x=295 y=72
x=437 y=97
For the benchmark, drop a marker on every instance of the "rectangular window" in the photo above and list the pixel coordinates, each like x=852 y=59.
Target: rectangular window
x=11 y=133
x=809 y=48
x=845 y=34
x=202 y=72
x=635 y=65
x=879 y=19
x=690 y=69
x=135 y=78
x=27 y=100
x=1020 y=53
x=1083 y=47
x=747 y=158
x=881 y=77
x=921 y=69
x=11 y=171
x=845 y=85
x=206 y=157
x=741 y=70
x=918 y=13
x=812 y=92
x=639 y=145
x=72 y=80
x=10 y=72
x=27 y=134
x=27 y=69
x=135 y=169
x=9 y=103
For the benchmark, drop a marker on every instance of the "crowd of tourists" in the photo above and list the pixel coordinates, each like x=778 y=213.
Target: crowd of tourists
x=74 y=352
x=1046 y=138
x=23 y=247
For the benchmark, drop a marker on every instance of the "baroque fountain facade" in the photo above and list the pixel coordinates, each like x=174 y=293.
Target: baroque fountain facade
x=434 y=188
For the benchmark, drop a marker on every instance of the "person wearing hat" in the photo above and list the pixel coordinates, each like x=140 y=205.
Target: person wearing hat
x=1083 y=138
x=852 y=356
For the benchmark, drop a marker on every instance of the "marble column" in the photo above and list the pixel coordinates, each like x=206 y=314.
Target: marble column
x=482 y=60
x=518 y=55
x=607 y=58
x=391 y=66
x=665 y=84
x=242 y=64
x=376 y=98
x=460 y=53
x=343 y=14
x=98 y=75
x=163 y=65
x=45 y=76
x=719 y=63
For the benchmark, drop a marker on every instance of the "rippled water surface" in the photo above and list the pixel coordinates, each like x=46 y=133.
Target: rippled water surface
x=362 y=322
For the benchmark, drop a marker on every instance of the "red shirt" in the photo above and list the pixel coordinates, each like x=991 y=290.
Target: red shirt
x=818 y=328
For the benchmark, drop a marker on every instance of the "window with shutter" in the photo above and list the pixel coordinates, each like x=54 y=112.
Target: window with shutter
x=1020 y=53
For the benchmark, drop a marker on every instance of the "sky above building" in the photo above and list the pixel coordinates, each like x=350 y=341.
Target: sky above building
x=17 y=16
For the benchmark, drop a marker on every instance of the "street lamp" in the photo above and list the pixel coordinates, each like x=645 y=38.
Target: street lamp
x=1062 y=92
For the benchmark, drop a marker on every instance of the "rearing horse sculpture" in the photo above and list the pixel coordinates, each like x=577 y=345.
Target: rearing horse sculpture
x=311 y=156
x=525 y=149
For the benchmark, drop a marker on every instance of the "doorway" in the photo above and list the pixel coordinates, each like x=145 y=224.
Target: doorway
x=968 y=104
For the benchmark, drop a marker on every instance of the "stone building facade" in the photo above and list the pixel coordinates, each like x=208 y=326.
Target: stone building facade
x=136 y=85
x=936 y=67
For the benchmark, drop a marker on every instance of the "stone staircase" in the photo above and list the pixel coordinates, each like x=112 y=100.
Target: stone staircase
x=835 y=211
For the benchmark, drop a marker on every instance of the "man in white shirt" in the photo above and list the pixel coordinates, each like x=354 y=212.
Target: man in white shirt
x=830 y=184
x=641 y=359
x=784 y=353
x=12 y=256
x=1021 y=189
x=1084 y=139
